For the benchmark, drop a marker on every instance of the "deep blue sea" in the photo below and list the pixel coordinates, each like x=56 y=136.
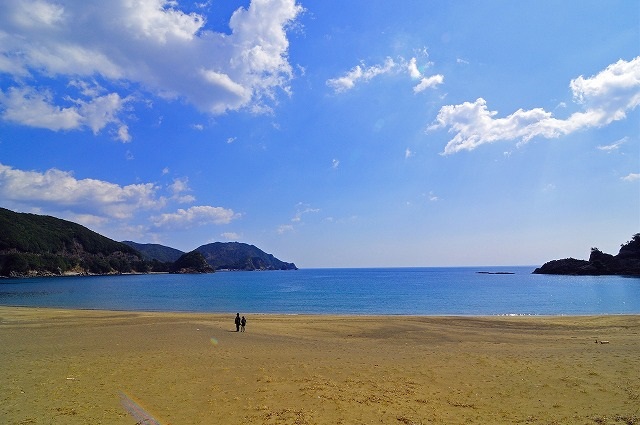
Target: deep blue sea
x=396 y=291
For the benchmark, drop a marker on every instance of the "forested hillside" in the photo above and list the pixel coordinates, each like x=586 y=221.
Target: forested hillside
x=241 y=256
x=38 y=245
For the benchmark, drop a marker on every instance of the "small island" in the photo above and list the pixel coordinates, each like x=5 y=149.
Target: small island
x=625 y=263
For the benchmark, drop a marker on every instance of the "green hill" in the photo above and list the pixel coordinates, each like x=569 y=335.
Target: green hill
x=191 y=262
x=38 y=245
x=241 y=256
x=625 y=263
x=152 y=251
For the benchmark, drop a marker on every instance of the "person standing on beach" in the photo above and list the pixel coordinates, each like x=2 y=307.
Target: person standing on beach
x=242 y=323
x=237 y=322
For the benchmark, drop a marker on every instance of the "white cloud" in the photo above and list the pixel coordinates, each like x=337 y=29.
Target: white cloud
x=614 y=146
x=195 y=216
x=123 y=133
x=428 y=82
x=412 y=67
x=150 y=44
x=178 y=187
x=631 y=177
x=425 y=82
x=61 y=191
x=27 y=106
x=96 y=203
x=363 y=73
x=360 y=73
x=408 y=153
x=185 y=199
x=335 y=163
x=230 y=236
x=605 y=97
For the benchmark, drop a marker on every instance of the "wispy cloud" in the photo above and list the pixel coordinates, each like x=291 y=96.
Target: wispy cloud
x=301 y=210
x=230 y=236
x=605 y=98
x=614 y=146
x=284 y=228
x=362 y=74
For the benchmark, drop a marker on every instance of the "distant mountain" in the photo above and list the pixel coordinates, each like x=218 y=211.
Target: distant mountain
x=191 y=262
x=625 y=263
x=38 y=245
x=241 y=256
x=152 y=251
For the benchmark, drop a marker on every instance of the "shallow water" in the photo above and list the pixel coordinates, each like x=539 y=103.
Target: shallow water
x=397 y=291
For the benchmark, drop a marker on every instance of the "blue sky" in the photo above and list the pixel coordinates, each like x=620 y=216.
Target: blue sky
x=330 y=134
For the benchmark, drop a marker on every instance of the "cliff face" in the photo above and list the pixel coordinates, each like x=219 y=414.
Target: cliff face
x=625 y=263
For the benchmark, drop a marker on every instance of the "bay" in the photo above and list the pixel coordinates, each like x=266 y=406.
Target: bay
x=376 y=291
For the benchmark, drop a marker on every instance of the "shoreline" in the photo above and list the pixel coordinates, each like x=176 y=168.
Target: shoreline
x=99 y=366
x=345 y=315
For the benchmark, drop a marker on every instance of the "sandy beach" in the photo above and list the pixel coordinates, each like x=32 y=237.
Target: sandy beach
x=102 y=367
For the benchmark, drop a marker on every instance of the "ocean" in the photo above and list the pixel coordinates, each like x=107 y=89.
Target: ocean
x=472 y=291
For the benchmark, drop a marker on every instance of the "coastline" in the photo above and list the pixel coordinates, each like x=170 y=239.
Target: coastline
x=417 y=291
x=99 y=366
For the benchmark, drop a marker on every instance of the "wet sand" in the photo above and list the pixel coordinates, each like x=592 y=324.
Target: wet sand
x=102 y=367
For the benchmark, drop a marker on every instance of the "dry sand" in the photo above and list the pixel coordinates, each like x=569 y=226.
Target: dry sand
x=101 y=367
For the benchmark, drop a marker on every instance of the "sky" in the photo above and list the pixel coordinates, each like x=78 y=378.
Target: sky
x=328 y=133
